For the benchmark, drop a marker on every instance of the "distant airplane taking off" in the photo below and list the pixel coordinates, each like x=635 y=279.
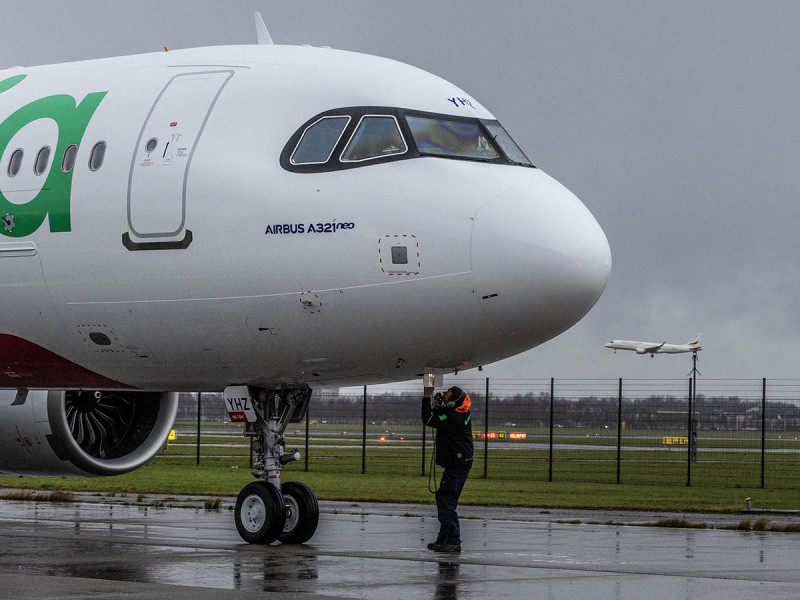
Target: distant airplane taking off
x=653 y=349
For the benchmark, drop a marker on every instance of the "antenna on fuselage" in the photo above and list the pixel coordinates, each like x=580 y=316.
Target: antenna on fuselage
x=264 y=39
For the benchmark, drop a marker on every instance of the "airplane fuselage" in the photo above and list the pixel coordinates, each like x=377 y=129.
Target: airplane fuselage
x=652 y=348
x=193 y=257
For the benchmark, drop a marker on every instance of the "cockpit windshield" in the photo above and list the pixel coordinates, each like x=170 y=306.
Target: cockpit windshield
x=457 y=139
x=507 y=145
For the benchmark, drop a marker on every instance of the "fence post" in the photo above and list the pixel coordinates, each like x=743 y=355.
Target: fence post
x=486 y=434
x=763 y=426
x=199 y=412
x=550 y=458
x=619 y=432
x=364 y=435
x=689 y=434
x=308 y=418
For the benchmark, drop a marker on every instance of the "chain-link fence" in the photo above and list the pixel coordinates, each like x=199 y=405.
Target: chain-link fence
x=725 y=433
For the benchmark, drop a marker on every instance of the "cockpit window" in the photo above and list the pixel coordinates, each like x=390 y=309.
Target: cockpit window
x=375 y=137
x=507 y=145
x=357 y=136
x=457 y=139
x=319 y=140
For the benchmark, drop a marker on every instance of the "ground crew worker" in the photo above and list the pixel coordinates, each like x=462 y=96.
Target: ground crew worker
x=449 y=415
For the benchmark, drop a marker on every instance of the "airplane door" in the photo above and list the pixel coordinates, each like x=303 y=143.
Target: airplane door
x=24 y=302
x=162 y=159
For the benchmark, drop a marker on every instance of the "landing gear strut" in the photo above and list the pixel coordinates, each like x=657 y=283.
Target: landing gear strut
x=266 y=510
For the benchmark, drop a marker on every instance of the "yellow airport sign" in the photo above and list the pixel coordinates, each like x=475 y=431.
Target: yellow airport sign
x=674 y=440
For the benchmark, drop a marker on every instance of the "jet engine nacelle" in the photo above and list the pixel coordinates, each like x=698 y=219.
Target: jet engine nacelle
x=79 y=434
x=641 y=351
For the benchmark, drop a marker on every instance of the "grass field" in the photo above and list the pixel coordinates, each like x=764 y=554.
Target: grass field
x=518 y=478
x=725 y=458
x=584 y=468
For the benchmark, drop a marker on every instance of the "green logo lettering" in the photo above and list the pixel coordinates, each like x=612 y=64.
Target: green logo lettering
x=53 y=200
x=7 y=84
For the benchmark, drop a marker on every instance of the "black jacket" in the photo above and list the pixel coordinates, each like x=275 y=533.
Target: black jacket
x=453 y=426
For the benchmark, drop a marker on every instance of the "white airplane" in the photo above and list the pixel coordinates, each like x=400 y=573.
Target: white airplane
x=652 y=348
x=259 y=220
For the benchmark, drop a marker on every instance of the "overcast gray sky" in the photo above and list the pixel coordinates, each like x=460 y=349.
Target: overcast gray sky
x=675 y=122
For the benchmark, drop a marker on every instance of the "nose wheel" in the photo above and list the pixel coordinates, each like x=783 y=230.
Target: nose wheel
x=302 y=513
x=260 y=513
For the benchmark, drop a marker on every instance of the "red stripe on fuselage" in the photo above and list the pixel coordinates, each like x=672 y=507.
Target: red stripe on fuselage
x=24 y=364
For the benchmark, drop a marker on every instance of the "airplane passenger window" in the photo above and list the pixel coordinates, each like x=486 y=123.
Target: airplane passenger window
x=68 y=162
x=375 y=137
x=318 y=141
x=98 y=156
x=42 y=158
x=15 y=164
x=458 y=139
x=507 y=145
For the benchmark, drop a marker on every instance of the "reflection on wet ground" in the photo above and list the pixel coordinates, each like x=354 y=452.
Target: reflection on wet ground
x=447 y=581
x=98 y=550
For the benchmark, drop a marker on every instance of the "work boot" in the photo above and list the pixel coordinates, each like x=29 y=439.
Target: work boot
x=448 y=548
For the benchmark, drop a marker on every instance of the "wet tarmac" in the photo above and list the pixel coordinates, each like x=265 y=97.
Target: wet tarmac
x=101 y=549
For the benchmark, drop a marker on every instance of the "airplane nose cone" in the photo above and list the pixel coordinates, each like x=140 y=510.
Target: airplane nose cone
x=540 y=261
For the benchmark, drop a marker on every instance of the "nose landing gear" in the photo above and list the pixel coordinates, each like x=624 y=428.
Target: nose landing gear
x=266 y=510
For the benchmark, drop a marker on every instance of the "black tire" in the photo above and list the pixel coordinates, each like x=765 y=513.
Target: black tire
x=302 y=513
x=260 y=513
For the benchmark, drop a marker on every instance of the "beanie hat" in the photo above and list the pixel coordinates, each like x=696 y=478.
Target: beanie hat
x=457 y=393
